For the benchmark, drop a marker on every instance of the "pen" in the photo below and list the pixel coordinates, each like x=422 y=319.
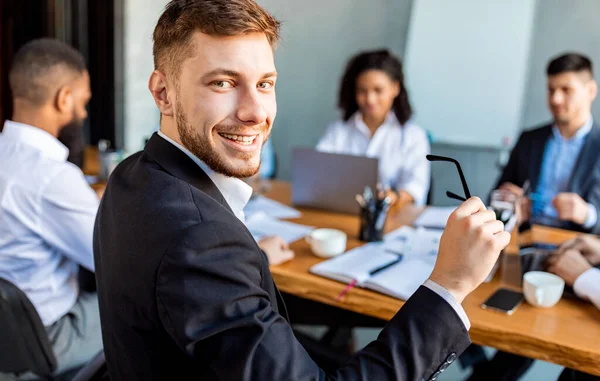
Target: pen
x=371 y=273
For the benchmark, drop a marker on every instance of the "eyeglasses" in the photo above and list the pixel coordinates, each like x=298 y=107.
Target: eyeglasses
x=460 y=173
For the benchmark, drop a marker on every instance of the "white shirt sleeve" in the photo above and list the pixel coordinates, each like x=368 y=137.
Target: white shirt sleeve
x=451 y=300
x=415 y=175
x=587 y=286
x=67 y=215
x=329 y=140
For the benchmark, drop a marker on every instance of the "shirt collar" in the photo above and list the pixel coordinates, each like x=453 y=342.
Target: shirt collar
x=580 y=134
x=37 y=138
x=390 y=121
x=236 y=192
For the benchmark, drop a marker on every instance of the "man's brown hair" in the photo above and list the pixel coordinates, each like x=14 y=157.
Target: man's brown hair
x=181 y=18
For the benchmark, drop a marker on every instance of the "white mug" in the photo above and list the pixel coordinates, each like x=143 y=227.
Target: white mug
x=542 y=289
x=327 y=243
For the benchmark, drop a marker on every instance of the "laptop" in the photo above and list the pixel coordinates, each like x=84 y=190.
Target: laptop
x=331 y=181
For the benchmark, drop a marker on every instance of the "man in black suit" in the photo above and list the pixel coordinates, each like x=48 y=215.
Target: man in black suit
x=561 y=162
x=561 y=159
x=185 y=292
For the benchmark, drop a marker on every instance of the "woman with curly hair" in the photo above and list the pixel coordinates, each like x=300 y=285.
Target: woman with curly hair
x=375 y=122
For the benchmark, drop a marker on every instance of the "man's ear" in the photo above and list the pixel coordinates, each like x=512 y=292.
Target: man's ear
x=593 y=89
x=158 y=88
x=63 y=101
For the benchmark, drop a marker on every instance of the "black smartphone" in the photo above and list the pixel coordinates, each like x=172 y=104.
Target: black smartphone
x=503 y=300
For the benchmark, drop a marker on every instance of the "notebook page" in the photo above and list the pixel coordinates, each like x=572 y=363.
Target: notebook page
x=401 y=280
x=434 y=217
x=410 y=241
x=355 y=264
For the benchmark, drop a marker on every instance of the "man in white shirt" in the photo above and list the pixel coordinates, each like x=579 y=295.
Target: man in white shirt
x=577 y=262
x=47 y=209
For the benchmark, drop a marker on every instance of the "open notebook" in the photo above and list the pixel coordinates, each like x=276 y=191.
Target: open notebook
x=400 y=280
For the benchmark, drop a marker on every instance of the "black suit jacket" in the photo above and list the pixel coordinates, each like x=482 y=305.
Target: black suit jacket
x=186 y=293
x=526 y=163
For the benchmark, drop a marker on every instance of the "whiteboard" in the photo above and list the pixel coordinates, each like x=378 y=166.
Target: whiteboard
x=466 y=66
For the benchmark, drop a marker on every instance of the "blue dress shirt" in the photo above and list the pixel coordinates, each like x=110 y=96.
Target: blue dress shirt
x=560 y=156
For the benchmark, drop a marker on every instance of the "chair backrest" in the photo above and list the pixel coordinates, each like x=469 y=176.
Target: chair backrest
x=24 y=343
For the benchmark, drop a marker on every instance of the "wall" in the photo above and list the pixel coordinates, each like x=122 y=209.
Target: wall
x=467 y=63
x=318 y=37
x=560 y=26
x=141 y=114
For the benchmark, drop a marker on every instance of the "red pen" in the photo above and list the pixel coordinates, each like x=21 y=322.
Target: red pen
x=371 y=273
x=348 y=288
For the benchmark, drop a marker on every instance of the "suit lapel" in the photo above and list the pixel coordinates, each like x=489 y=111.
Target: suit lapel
x=177 y=163
x=586 y=160
x=538 y=147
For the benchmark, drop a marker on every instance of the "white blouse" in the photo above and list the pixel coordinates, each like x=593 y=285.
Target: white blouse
x=401 y=150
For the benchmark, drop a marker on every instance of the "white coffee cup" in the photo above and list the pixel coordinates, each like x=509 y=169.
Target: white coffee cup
x=327 y=243
x=542 y=289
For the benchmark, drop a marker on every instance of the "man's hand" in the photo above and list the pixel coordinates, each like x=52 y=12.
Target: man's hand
x=568 y=265
x=587 y=245
x=571 y=207
x=512 y=188
x=277 y=250
x=469 y=248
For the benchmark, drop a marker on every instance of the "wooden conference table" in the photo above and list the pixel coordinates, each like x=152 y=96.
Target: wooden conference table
x=567 y=334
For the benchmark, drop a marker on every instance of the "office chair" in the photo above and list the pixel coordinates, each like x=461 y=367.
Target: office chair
x=24 y=343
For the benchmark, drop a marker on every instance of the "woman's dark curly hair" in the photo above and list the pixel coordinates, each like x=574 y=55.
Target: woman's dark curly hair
x=374 y=60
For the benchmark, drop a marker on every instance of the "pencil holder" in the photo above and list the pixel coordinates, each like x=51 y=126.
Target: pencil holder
x=372 y=223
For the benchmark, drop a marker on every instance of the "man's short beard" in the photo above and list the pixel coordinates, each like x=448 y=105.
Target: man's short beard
x=199 y=145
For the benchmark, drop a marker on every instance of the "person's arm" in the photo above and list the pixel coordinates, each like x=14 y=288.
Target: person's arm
x=211 y=304
x=67 y=215
x=414 y=178
x=587 y=286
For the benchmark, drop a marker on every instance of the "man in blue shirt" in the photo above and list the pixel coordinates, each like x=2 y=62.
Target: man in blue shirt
x=561 y=159
x=561 y=162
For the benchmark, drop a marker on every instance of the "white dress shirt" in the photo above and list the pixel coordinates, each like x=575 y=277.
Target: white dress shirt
x=237 y=194
x=401 y=150
x=47 y=214
x=587 y=286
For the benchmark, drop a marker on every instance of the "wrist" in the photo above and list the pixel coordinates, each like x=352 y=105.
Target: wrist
x=456 y=288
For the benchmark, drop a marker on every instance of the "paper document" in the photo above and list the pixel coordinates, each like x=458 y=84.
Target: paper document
x=400 y=280
x=434 y=217
x=355 y=264
x=270 y=207
x=262 y=225
x=409 y=241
